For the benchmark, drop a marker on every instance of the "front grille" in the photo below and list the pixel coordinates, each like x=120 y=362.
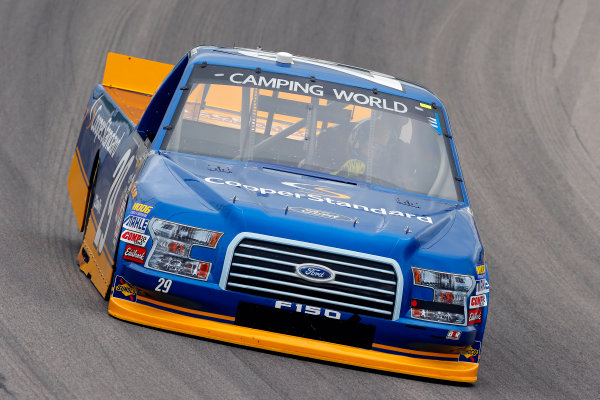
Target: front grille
x=267 y=268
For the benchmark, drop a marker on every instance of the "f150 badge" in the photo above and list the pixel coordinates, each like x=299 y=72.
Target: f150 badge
x=310 y=310
x=315 y=272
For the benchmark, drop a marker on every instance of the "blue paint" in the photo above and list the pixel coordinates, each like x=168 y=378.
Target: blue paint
x=193 y=190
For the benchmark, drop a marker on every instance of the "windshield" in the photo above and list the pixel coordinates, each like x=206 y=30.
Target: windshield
x=349 y=132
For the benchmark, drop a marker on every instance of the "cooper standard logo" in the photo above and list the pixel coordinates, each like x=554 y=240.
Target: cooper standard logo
x=319 y=194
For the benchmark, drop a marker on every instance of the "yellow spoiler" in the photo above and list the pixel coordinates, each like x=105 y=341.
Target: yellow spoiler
x=134 y=74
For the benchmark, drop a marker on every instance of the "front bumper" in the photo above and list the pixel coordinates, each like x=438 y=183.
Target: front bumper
x=153 y=313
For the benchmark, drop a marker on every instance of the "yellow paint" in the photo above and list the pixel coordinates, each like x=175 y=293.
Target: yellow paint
x=126 y=289
x=132 y=104
x=134 y=74
x=143 y=208
x=416 y=352
x=480 y=269
x=146 y=315
x=331 y=193
x=105 y=252
x=469 y=352
x=187 y=310
x=78 y=189
x=424 y=105
x=99 y=269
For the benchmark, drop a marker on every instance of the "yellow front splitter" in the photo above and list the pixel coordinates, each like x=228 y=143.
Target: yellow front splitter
x=146 y=315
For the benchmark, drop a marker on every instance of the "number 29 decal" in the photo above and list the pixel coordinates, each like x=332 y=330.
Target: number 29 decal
x=163 y=285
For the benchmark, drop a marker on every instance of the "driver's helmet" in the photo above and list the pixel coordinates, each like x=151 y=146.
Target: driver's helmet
x=387 y=128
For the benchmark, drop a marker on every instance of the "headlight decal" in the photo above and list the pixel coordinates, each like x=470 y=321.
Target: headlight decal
x=171 y=248
x=449 y=300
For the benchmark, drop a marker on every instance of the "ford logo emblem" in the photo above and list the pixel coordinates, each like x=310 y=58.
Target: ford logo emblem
x=315 y=272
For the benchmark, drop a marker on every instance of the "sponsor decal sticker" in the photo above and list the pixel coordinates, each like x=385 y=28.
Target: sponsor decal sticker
x=321 y=214
x=317 y=90
x=136 y=238
x=141 y=210
x=408 y=203
x=481 y=271
x=315 y=272
x=482 y=286
x=478 y=301
x=108 y=132
x=134 y=253
x=453 y=335
x=475 y=316
x=135 y=223
x=218 y=168
x=471 y=353
x=330 y=198
x=124 y=290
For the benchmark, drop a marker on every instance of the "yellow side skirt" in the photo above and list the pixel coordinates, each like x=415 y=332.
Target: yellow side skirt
x=99 y=267
x=146 y=315
x=79 y=189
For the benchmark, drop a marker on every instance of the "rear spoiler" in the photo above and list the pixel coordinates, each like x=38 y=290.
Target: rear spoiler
x=134 y=74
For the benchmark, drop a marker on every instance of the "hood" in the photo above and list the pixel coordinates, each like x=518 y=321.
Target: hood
x=284 y=202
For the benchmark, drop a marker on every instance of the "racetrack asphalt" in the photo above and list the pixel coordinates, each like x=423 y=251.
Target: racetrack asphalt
x=521 y=83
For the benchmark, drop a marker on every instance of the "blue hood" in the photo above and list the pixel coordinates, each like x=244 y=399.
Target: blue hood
x=234 y=197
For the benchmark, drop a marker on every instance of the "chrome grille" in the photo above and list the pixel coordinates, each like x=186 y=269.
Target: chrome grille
x=267 y=268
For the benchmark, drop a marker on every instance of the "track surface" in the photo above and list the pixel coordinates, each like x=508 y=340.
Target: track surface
x=521 y=83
